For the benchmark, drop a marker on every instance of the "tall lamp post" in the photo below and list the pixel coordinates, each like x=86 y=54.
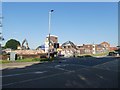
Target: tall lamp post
x=1 y=37
x=50 y=12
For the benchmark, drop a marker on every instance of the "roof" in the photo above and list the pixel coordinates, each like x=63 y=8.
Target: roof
x=104 y=42
x=29 y=52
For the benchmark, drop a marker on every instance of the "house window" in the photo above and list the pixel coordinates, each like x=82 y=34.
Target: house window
x=68 y=46
x=55 y=38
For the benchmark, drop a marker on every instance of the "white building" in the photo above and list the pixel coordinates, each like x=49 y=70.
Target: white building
x=53 y=39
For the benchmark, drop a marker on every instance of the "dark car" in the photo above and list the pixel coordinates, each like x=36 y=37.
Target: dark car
x=112 y=54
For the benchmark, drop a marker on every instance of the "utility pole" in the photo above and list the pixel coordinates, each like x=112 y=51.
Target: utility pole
x=1 y=37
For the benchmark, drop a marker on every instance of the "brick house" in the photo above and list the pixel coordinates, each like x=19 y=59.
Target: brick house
x=81 y=49
x=94 y=48
x=106 y=45
x=99 y=48
x=86 y=49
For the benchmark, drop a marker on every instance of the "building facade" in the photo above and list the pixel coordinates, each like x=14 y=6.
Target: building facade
x=94 y=48
x=53 y=39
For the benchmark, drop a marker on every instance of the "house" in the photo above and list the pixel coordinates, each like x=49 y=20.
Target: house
x=99 y=48
x=81 y=49
x=29 y=53
x=86 y=49
x=106 y=45
x=53 y=39
x=69 y=49
x=102 y=47
x=94 y=48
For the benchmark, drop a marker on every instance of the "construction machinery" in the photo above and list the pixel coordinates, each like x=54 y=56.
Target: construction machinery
x=25 y=47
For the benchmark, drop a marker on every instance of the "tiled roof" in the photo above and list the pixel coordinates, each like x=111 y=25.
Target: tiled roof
x=29 y=52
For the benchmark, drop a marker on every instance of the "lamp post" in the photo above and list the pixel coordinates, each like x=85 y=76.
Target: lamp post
x=50 y=12
x=1 y=37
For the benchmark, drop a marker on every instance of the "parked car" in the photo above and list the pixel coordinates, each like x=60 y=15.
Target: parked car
x=112 y=54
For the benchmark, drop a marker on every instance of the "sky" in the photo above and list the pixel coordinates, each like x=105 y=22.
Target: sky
x=60 y=0
x=79 y=22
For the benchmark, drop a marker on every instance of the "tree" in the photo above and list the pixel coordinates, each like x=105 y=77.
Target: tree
x=12 y=43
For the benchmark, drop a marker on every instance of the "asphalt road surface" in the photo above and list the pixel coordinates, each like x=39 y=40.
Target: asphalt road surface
x=65 y=73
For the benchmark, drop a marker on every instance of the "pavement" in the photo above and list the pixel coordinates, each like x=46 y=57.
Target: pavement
x=91 y=72
x=17 y=65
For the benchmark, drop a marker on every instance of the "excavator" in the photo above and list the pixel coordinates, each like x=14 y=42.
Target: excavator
x=71 y=43
x=23 y=46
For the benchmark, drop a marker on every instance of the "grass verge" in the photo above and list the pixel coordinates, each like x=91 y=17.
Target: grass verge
x=93 y=55
x=27 y=60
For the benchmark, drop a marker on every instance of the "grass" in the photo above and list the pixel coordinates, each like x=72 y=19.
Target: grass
x=22 y=60
x=92 y=55
x=46 y=59
x=4 y=61
x=101 y=54
x=27 y=60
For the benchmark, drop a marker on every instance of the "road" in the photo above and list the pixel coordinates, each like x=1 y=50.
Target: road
x=68 y=73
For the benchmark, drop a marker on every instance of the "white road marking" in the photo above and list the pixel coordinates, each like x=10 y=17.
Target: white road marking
x=63 y=65
x=80 y=65
x=32 y=79
x=57 y=66
x=41 y=77
x=47 y=75
x=65 y=69
x=60 y=67
x=10 y=75
x=107 y=68
x=40 y=72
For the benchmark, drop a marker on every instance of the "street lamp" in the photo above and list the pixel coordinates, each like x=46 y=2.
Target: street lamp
x=50 y=12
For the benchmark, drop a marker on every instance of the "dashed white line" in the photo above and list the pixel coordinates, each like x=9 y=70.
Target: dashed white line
x=10 y=75
x=37 y=72
x=65 y=69
x=68 y=71
x=32 y=79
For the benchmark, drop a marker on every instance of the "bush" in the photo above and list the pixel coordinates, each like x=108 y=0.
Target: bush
x=46 y=59
x=87 y=56
x=80 y=56
x=84 y=56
